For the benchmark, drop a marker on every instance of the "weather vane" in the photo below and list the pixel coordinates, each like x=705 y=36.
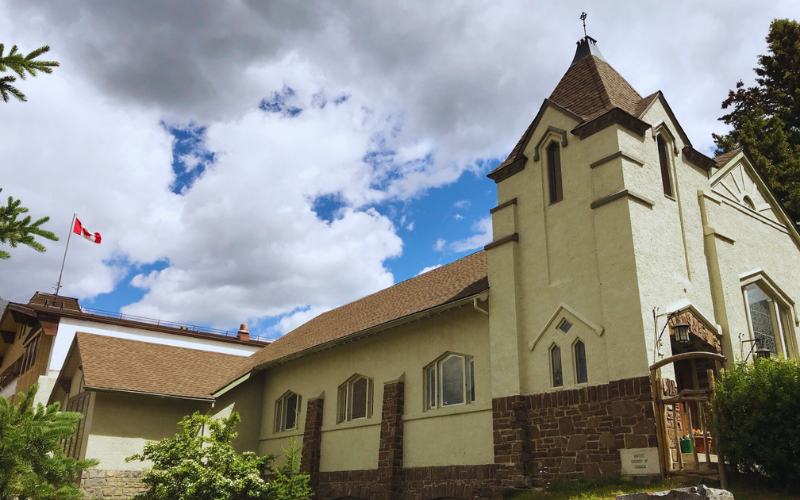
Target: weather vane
x=583 y=18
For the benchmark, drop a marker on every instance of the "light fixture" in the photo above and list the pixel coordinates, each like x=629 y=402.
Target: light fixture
x=762 y=352
x=681 y=331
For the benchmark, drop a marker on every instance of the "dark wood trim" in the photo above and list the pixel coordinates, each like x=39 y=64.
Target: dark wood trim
x=8 y=335
x=554 y=130
x=658 y=127
x=512 y=201
x=513 y=168
x=696 y=157
x=616 y=155
x=501 y=241
x=615 y=116
x=622 y=194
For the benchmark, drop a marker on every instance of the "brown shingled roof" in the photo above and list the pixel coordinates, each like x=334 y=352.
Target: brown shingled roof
x=724 y=158
x=460 y=279
x=592 y=87
x=129 y=365
x=589 y=89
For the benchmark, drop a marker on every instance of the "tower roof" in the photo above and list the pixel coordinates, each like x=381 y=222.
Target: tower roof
x=591 y=87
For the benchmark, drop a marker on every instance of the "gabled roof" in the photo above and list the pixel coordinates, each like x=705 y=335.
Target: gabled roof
x=48 y=308
x=724 y=158
x=114 y=364
x=463 y=278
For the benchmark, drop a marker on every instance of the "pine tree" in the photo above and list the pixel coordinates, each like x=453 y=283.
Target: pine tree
x=766 y=117
x=32 y=464
x=14 y=231
x=21 y=64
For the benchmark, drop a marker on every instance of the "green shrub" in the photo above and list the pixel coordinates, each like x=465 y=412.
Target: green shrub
x=758 y=428
x=199 y=463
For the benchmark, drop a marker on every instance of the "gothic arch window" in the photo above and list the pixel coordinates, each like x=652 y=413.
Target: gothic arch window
x=556 y=371
x=581 y=370
x=770 y=320
x=355 y=399
x=287 y=409
x=554 y=173
x=748 y=202
x=450 y=381
x=663 y=160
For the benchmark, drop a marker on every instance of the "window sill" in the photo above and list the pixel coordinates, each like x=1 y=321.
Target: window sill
x=449 y=410
x=352 y=424
x=670 y=197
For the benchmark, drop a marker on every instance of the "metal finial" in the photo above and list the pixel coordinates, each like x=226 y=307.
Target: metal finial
x=583 y=18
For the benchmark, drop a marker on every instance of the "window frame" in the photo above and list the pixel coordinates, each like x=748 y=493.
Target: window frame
x=550 y=354
x=555 y=185
x=780 y=317
x=667 y=182
x=344 y=402
x=432 y=376
x=281 y=408
x=31 y=353
x=577 y=364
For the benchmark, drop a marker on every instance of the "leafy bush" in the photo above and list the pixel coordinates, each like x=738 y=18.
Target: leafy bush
x=758 y=412
x=32 y=464
x=199 y=463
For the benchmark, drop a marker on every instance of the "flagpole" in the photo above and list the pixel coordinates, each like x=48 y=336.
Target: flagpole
x=71 y=227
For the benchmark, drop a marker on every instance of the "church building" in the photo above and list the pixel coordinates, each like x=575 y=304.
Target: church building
x=529 y=360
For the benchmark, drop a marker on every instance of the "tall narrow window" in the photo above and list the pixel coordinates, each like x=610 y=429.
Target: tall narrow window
x=555 y=365
x=554 y=172
x=287 y=409
x=767 y=319
x=581 y=373
x=663 y=159
x=355 y=399
x=450 y=381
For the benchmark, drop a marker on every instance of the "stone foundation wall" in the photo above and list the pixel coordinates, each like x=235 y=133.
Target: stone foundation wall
x=579 y=433
x=111 y=484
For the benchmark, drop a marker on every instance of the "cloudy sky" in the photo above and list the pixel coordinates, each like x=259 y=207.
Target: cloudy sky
x=263 y=162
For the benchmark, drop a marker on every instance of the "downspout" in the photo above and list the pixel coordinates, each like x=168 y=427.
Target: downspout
x=475 y=305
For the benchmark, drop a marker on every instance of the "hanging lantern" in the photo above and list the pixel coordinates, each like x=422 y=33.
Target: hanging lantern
x=762 y=352
x=681 y=331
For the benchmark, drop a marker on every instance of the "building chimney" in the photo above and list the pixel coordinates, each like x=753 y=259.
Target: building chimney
x=244 y=333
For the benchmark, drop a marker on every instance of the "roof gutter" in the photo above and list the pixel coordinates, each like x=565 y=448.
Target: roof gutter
x=152 y=394
x=361 y=334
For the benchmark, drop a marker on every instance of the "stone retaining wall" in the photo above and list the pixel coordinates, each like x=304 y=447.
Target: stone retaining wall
x=111 y=484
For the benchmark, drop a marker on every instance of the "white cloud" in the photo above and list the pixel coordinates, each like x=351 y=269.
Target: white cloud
x=458 y=216
x=439 y=245
x=429 y=268
x=482 y=237
x=462 y=204
x=441 y=92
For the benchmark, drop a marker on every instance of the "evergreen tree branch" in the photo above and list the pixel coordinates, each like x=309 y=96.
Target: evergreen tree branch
x=15 y=231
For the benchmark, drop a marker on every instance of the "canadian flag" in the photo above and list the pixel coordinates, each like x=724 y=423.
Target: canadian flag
x=79 y=229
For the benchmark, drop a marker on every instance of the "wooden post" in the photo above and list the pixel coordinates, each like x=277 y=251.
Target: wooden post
x=655 y=383
x=694 y=448
x=675 y=416
x=720 y=461
x=704 y=430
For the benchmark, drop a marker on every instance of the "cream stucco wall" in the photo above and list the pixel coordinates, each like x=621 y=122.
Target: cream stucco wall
x=247 y=400
x=463 y=434
x=122 y=423
x=567 y=254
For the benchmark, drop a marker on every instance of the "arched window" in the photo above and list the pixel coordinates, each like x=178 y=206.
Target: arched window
x=663 y=159
x=768 y=320
x=749 y=203
x=287 y=409
x=450 y=381
x=554 y=172
x=355 y=399
x=581 y=373
x=555 y=366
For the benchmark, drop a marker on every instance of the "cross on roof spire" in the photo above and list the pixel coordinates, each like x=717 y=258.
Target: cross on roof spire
x=583 y=18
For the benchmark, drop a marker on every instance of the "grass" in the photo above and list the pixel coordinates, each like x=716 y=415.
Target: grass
x=609 y=489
